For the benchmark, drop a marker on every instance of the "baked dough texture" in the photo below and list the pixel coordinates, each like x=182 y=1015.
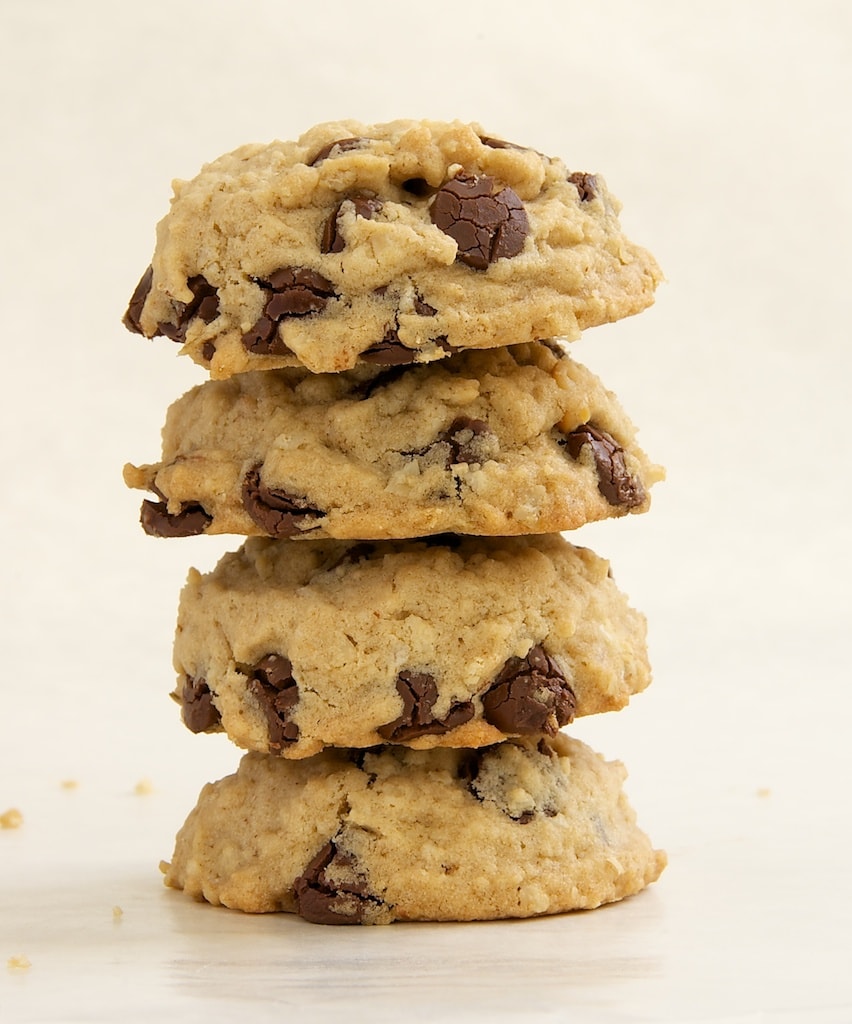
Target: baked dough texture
x=520 y=829
x=508 y=441
x=289 y=647
x=393 y=242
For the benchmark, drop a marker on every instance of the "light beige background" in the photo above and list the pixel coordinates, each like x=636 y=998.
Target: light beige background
x=724 y=128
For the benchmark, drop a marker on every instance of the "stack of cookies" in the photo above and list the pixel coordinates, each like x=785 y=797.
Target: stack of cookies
x=405 y=632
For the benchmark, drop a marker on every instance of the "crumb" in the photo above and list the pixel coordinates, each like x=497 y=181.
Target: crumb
x=143 y=787
x=164 y=866
x=764 y=792
x=69 y=784
x=117 y=913
x=11 y=818
x=18 y=963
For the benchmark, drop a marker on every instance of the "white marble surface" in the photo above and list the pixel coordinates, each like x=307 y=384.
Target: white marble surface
x=724 y=129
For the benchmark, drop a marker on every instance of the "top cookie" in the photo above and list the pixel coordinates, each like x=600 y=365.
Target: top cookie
x=388 y=243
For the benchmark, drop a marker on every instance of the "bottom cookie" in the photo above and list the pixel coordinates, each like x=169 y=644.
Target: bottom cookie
x=518 y=829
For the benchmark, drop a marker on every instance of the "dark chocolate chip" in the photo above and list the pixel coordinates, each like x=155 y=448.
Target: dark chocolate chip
x=276 y=512
x=366 y=205
x=322 y=901
x=137 y=301
x=198 y=711
x=204 y=304
x=422 y=308
x=419 y=187
x=277 y=692
x=293 y=291
x=487 y=140
x=157 y=521
x=486 y=225
x=615 y=482
x=529 y=695
x=462 y=436
x=208 y=350
x=586 y=185
x=419 y=691
x=336 y=148
x=389 y=351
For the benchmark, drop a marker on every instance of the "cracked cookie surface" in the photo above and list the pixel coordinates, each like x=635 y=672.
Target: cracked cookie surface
x=502 y=442
x=519 y=829
x=391 y=243
x=292 y=647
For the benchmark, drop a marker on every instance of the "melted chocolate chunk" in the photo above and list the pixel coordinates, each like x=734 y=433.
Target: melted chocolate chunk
x=615 y=482
x=198 y=711
x=529 y=695
x=157 y=521
x=322 y=901
x=293 y=291
x=389 y=351
x=419 y=691
x=422 y=308
x=208 y=350
x=487 y=140
x=586 y=185
x=419 y=187
x=276 y=512
x=336 y=148
x=204 y=304
x=366 y=205
x=486 y=225
x=277 y=692
x=137 y=301
x=462 y=436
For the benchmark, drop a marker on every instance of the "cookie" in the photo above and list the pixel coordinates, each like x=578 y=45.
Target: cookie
x=519 y=829
x=502 y=442
x=390 y=243
x=458 y=642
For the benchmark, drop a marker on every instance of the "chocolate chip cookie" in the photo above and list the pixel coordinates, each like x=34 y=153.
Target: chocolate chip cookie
x=456 y=641
x=519 y=829
x=502 y=442
x=390 y=243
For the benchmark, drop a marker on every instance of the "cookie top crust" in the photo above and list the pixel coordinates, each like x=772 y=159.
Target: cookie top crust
x=390 y=243
x=292 y=647
x=502 y=442
x=518 y=829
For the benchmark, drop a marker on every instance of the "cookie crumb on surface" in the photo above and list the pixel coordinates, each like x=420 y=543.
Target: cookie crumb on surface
x=763 y=792
x=18 y=963
x=117 y=913
x=143 y=787
x=69 y=784
x=11 y=818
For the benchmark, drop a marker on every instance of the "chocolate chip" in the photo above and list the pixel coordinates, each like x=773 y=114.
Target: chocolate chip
x=614 y=479
x=198 y=711
x=422 y=308
x=336 y=148
x=419 y=691
x=389 y=351
x=586 y=185
x=366 y=205
x=277 y=692
x=383 y=378
x=419 y=187
x=486 y=225
x=157 y=521
x=486 y=140
x=276 y=512
x=293 y=291
x=208 y=350
x=323 y=901
x=529 y=695
x=204 y=304
x=137 y=301
x=462 y=436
